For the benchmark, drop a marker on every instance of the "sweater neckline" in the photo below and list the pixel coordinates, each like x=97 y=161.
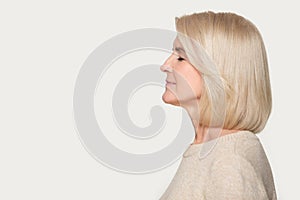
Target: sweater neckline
x=194 y=148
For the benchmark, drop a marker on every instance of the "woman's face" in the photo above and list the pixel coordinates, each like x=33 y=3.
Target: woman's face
x=183 y=82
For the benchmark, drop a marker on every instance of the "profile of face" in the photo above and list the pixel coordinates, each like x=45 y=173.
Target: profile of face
x=183 y=81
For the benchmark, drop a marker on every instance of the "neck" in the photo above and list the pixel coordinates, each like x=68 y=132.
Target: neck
x=204 y=133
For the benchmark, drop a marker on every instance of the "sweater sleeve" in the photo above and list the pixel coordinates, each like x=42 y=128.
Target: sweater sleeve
x=233 y=177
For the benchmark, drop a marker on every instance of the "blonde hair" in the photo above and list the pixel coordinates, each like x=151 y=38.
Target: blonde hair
x=236 y=49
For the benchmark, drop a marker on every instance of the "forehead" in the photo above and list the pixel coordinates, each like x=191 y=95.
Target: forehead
x=177 y=43
x=177 y=46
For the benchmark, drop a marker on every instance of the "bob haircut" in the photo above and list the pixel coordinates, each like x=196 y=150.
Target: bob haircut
x=236 y=48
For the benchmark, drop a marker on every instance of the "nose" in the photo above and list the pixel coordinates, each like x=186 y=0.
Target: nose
x=167 y=65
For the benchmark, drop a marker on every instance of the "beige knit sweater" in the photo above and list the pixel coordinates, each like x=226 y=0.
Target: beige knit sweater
x=236 y=168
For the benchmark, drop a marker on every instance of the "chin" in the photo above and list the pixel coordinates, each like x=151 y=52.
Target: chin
x=170 y=99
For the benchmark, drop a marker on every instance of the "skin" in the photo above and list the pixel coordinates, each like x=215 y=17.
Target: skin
x=183 y=88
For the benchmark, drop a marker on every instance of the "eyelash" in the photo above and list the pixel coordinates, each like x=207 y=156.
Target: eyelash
x=180 y=59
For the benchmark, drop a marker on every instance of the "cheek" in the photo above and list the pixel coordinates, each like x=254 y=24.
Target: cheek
x=190 y=81
x=196 y=83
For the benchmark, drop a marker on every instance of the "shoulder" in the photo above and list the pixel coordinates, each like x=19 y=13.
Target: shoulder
x=234 y=177
x=243 y=147
x=239 y=173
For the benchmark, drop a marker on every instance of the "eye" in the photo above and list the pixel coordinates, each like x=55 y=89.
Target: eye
x=180 y=58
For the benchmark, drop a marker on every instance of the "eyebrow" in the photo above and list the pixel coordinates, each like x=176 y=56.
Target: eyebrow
x=179 y=49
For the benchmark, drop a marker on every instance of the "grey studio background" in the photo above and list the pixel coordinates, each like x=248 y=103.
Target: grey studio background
x=43 y=45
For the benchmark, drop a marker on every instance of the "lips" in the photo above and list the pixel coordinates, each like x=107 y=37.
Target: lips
x=170 y=82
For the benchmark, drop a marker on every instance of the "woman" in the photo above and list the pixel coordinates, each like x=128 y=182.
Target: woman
x=218 y=72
